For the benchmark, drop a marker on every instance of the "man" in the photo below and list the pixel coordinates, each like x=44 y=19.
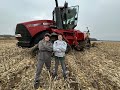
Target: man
x=44 y=57
x=59 y=48
x=88 y=38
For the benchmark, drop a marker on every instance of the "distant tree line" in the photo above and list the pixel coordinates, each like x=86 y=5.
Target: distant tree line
x=7 y=36
x=93 y=39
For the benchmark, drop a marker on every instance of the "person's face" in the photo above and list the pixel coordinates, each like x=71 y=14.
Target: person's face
x=60 y=37
x=47 y=38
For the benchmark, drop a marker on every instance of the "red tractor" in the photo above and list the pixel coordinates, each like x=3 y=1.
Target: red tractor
x=64 y=21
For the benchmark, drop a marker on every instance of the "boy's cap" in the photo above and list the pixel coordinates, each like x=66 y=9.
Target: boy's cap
x=47 y=34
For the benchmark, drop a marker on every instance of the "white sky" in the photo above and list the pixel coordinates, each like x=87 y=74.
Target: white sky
x=101 y=16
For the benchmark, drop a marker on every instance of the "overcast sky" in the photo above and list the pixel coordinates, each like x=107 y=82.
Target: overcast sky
x=101 y=16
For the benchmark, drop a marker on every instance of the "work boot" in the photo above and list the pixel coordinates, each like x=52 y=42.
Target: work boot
x=36 y=84
x=65 y=77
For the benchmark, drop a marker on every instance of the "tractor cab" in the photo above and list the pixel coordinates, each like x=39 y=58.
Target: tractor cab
x=65 y=17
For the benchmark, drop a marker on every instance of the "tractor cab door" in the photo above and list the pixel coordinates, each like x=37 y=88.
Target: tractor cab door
x=70 y=17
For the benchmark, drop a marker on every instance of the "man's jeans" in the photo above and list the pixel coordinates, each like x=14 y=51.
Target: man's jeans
x=40 y=66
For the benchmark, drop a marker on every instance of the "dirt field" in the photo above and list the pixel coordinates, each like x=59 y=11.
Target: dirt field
x=97 y=68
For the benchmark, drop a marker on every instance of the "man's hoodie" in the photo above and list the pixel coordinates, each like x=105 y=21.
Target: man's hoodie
x=59 y=48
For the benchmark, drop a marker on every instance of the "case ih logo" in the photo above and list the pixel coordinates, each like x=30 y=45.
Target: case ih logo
x=34 y=25
x=39 y=24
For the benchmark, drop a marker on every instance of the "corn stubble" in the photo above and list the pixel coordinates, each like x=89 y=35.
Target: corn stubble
x=97 y=68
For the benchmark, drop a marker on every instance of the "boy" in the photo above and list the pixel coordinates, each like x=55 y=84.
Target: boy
x=59 y=48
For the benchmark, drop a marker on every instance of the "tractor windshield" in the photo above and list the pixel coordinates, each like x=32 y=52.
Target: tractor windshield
x=70 y=17
x=67 y=17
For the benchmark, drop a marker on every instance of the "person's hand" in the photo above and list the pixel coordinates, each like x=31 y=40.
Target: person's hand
x=59 y=50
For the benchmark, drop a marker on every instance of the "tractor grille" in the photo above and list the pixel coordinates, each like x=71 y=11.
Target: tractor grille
x=23 y=32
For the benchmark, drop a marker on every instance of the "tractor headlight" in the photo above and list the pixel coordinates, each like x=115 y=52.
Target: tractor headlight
x=18 y=35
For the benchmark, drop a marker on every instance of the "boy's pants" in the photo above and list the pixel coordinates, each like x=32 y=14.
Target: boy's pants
x=62 y=61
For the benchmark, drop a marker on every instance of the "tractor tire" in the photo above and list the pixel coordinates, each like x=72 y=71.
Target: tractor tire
x=80 y=46
x=38 y=38
x=53 y=38
x=68 y=49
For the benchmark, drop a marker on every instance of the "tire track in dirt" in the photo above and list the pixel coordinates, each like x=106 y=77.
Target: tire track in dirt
x=94 y=69
x=101 y=72
x=20 y=74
